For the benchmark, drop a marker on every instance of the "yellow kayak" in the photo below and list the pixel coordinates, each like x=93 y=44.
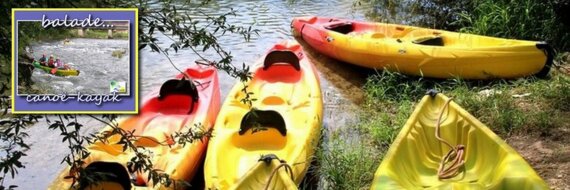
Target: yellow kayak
x=487 y=162
x=270 y=146
x=424 y=52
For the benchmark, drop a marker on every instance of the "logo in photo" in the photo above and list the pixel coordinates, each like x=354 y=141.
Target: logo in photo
x=118 y=87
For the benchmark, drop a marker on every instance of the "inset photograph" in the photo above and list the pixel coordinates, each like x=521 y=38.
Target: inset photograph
x=67 y=60
x=74 y=61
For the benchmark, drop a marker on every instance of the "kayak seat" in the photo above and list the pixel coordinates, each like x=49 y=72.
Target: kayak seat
x=179 y=87
x=279 y=73
x=109 y=172
x=280 y=66
x=260 y=131
x=175 y=104
x=269 y=140
x=262 y=119
x=342 y=27
x=284 y=57
x=429 y=40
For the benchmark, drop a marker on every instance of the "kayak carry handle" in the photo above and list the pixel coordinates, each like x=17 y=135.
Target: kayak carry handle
x=549 y=52
x=281 y=56
x=432 y=92
x=267 y=158
x=181 y=87
x=264 y=118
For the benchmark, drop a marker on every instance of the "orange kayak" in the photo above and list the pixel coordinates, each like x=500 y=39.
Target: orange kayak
x=178 y=106
x=422 y=51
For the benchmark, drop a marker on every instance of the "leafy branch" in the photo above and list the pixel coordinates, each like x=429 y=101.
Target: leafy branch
x=198 y=33
x=13 y=147
x=76 y=144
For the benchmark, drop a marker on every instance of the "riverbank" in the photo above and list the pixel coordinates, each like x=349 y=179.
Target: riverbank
x=530 y=114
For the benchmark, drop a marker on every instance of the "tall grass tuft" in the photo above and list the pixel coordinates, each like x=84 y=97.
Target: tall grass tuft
x=426 y=13
x=538 y=20
x=347 y=162
x=522 y=19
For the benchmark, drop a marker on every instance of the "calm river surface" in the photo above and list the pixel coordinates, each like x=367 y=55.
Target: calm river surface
x=341 y=83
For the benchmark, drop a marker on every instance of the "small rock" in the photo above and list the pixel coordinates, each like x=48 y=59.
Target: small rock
x=564 y=58
x=559 y=176
x=489 y=92
x=521 y=95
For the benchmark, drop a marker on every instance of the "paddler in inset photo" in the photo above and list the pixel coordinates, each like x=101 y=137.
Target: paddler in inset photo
x=60 y=65
x=50 y=61
x=43 y=60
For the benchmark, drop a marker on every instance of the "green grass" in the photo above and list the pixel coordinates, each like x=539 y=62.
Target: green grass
x=346 y=161
x=524 y=19
x=351 y=155
x=33 y=32
x=537 y=20
x=542 y=105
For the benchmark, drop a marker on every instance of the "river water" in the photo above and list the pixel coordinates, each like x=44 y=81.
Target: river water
x=92 y=57
x=340 y=83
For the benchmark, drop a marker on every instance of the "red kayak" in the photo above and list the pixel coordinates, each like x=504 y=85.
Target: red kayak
x=178 y=106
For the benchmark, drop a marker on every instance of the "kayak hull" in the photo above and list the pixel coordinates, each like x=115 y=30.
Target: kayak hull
x=413 y=158
x=424 y=52
x=287 y=90
x=58 y=72
x=157 y=121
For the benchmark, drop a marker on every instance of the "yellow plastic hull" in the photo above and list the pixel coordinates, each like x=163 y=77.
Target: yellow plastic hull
x=413 y=158
x=232 y=160
x=396 y=48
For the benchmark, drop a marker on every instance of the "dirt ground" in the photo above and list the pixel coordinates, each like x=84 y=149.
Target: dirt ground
x=548 y=154
x=564 y=65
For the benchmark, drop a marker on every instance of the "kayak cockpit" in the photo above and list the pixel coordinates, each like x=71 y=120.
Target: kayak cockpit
x=176 y=96
x=342 y=27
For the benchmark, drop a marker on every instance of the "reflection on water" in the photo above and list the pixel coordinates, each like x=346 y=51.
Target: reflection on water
x=341 y=83
x=92 y=57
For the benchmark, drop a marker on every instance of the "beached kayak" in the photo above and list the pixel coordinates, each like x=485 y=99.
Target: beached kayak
x=424 y=52
x=278 y=136
x=483 y=159
x=58 y=72
x=178 y=106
